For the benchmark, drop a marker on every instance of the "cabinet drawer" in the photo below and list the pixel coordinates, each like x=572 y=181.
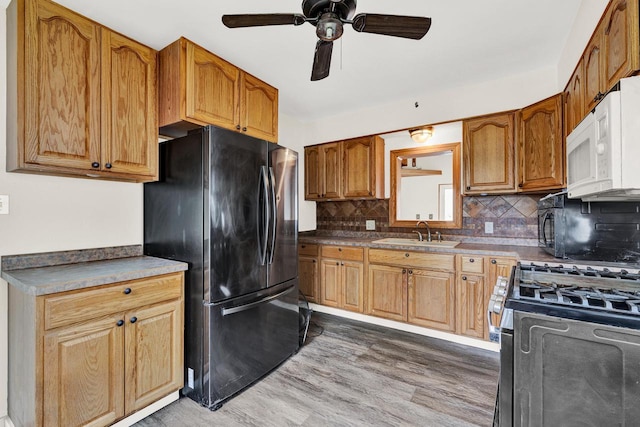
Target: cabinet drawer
x=412 y=259
x=471 y=264
x=77 y=306
x=308 y=249
x=343 y=252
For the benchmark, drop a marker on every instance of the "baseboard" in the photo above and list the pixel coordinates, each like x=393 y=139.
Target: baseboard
x=145 y=412
x=459 y=339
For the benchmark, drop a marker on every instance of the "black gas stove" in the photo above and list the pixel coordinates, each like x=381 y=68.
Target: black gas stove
x=570 y=331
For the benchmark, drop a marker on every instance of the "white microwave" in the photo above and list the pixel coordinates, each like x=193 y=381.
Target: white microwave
x=603 y=151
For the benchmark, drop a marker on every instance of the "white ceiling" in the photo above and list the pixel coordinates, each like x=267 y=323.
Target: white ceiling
x=470 y=41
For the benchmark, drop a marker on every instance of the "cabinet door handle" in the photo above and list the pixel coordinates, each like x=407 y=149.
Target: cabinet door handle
x=134 y=319
x=493 y=261
x=95 y=165
x=342 y=264
x=464 y=277
x=120 y=323
x=302 y=246
x=314 y=261
x=337 y=263
x=127 y=291
x=468 y=188
x=107 y=165
x=238 y=127
x=410 y=271
x=520 y=185
x=404 y=271
x=244 y=129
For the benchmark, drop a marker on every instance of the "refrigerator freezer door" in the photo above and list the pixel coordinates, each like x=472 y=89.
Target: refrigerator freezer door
x=237 y=213
x=283 y=234
x=250 y=336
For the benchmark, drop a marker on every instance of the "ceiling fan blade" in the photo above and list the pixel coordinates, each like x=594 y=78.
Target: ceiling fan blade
x=409 y=27
x=321 y=60
x=260 y=20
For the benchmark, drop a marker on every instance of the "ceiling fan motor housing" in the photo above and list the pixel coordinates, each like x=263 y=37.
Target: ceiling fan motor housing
x=345 y=9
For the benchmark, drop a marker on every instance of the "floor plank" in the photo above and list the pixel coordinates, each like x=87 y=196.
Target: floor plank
x=350 y=373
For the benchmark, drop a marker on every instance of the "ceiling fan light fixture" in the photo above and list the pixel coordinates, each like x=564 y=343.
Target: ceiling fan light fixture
x=329 y=27
x=421 y=135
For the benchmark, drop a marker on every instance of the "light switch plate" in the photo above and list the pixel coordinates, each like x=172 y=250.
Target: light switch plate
x=371 y=224
x=488 y=227
x=4 y=204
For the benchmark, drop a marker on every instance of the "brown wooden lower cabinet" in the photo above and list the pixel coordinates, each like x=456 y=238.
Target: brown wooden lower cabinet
x=342 y=284
x=470 y=305
x=387 y=292
x=308 y=272
x=432 y=299
x=100 y=354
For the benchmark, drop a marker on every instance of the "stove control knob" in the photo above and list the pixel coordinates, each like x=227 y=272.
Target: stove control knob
x=495 y=303
x=500 y=290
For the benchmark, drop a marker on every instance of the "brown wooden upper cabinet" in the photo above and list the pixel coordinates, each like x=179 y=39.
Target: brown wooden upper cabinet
x=97 y=117
x=350 y=169
x=198 y=88
x=541 y=152
x=489 y=153
x=574 y=100
x=612 y=53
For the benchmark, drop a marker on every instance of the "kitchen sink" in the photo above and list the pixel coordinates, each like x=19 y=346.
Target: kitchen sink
x=416 y=242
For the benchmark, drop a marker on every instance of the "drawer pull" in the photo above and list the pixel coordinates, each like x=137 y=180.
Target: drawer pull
x=339 y=249
x=134 y=319
x=127 y=291
x=406 y=255
x=472 y=260
x=493 y=261
x=302 y=246
x=120 y=322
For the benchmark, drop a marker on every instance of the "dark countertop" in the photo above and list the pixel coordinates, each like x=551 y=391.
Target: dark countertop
x=525 y=254
x=52 y=272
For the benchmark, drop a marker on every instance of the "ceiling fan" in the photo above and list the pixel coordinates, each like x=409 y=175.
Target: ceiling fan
x=328 y=16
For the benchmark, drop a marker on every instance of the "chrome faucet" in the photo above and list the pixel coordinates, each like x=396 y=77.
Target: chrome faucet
x=419 y=235
x=428 y=230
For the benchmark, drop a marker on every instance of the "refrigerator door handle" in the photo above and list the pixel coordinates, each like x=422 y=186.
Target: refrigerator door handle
x=263 y=232
x=274 y=214
x=249 y=306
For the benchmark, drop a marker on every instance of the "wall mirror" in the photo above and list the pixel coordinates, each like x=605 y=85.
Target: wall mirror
x=425 y=185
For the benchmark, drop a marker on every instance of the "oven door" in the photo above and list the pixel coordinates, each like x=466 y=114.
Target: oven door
x=569 y=372
x=581 y=158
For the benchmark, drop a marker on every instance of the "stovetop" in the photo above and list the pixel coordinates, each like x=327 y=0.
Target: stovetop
x=605 y=295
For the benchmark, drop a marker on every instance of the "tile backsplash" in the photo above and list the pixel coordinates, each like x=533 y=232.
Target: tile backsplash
x=514 y=217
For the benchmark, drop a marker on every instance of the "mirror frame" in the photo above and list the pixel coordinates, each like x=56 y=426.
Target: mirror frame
x=395 y=161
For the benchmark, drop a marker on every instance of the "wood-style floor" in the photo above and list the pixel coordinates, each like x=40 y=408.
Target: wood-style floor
x=355 y=374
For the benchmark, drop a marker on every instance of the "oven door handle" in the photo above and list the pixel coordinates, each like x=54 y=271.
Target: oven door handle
x=545 y=218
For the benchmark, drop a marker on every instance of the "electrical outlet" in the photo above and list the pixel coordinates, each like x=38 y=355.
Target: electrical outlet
x=371 y=224
x=417 y=216
x=430 y=216
x=4 y=205
x=488 y=227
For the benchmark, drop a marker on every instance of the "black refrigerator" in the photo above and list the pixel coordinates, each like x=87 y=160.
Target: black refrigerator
x=227 y=204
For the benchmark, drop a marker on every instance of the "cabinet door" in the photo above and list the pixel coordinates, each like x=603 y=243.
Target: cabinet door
x=332 y=162
x=470 y=306
x=620 y=41
x=330 y=282
x=212 y=88
x=83 y=373
x=387 y=292
x=154 y=355
x=129 y=137
x=61 y=120
x=258 y=108
x=489 y=154
x=541 y=148
x=359 y=167
x=574 y=107
x=593 y=74
x=352 y=281
x=313 y=173
x=432 y=299
x=308 y=278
